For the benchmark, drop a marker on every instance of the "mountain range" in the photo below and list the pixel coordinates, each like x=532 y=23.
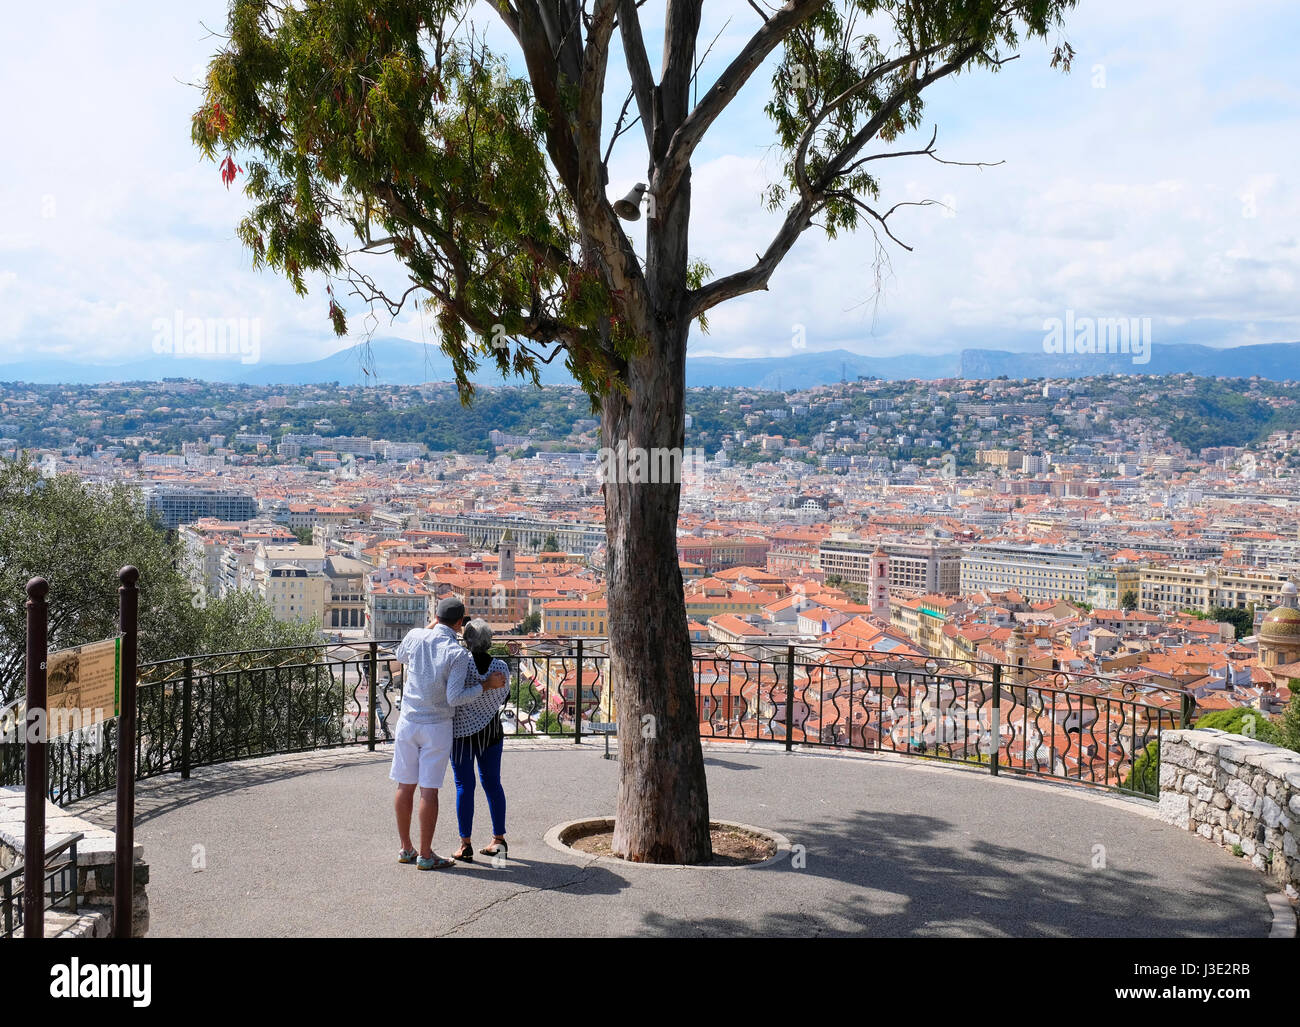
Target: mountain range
x=398 y=362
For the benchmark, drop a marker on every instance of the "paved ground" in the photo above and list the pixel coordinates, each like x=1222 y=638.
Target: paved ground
x=305 y=846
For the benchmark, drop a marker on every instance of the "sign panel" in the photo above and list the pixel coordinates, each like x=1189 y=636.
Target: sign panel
x=83 y=685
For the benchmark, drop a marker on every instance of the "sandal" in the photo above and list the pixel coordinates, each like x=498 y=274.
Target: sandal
x=465 y=853
x=434 y=862
x=495 y=849
x=407 y=856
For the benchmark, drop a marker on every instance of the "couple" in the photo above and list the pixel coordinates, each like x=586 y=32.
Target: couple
x=450 y=703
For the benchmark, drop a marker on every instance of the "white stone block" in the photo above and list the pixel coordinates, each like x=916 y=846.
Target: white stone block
x=1173 y=808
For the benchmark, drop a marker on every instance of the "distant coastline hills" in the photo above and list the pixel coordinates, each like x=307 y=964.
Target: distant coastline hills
x=398 y=362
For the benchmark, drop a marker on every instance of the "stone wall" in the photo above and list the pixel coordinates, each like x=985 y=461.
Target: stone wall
x=96 y=854
x=1237 y=792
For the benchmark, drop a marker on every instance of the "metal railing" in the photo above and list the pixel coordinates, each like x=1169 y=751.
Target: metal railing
x=215 y=708
x=60 y=887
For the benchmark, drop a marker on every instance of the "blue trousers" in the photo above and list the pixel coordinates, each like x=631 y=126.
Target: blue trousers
x=489 y=771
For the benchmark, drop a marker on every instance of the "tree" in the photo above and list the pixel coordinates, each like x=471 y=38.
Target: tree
x=1243 y=621
x=303 y=535
x=78 y=536
x=532 y=622
x=551 y=545
x=1289 y=728
x=1128 y=601
x=395 y=133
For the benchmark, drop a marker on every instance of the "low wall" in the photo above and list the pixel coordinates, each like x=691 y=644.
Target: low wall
x=1237 y=792
x=96 y=855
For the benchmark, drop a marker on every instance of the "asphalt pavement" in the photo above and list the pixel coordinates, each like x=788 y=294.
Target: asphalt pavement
x=884 y=846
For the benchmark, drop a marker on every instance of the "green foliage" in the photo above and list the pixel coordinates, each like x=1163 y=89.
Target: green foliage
x=549 y=723
x=1129 y=600
x=1243 y=621
x=523 y=696
x=303 y=535
x=823 y=96
x=551 y=545
x=1289 y=728
x=78 y=536
x=532 y=622
x=1242 y=720
x=1144 y=777
x=383 y=129
x=243 y=621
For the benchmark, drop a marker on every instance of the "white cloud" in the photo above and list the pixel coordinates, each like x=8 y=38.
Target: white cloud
x=1166 y=193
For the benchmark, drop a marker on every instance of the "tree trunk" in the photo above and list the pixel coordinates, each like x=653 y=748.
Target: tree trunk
x=663 y=802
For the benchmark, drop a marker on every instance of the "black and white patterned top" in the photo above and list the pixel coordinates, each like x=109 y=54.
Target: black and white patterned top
x=474 y=716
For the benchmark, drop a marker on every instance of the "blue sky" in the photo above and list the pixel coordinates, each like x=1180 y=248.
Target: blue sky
x=1157 y=179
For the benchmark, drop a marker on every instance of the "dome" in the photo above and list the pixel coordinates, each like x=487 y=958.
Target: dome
x=1282 y=624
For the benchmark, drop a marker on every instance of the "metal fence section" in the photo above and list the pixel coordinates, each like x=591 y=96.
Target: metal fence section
x=215 y=708
x=59 y=885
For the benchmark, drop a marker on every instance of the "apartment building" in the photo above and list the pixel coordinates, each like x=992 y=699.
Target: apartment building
x=345 y=606
x=485 y=531
x=1107 y=584
x=395 y=605
x=718 y=552
x=1037 y=572
x=177 y=505
x=292 y=580
x=1201 y=587
x=915 y=568
x=587 y=617
x=206 y=544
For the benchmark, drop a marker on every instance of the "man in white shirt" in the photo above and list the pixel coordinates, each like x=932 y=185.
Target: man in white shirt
x=436 y=665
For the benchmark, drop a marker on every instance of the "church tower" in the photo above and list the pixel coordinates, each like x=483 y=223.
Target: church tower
x=506 y=560
x=878 y=585
x=1017 y=653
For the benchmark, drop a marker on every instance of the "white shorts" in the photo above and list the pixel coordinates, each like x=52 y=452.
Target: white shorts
x=421 y=753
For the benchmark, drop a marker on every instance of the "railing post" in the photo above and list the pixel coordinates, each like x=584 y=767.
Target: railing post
x=789 y=697
x=36 y=727
x=124 y=860
x=373 y=690
x=75 y=877
x=995 y=729
x=577 y=701
x=1188 y=708
x=187 y=718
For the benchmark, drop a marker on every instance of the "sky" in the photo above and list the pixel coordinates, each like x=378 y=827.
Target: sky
x=1157 y=179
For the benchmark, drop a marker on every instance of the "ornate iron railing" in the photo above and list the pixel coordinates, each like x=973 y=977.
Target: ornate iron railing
x=219 y=707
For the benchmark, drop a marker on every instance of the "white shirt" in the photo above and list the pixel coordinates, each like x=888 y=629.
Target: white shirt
x=436 y=679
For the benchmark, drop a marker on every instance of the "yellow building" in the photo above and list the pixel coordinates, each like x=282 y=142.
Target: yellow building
x=1203 y=587
x=587 y=617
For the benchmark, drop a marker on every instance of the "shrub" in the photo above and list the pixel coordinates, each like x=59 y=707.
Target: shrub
x=1289 y=728
x=1242 y=721
x=1145 y=775
x=550 y=724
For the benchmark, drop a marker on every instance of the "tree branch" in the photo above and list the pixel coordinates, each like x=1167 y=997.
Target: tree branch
x=638 y=65
x=799 y=218
x=687 y=136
